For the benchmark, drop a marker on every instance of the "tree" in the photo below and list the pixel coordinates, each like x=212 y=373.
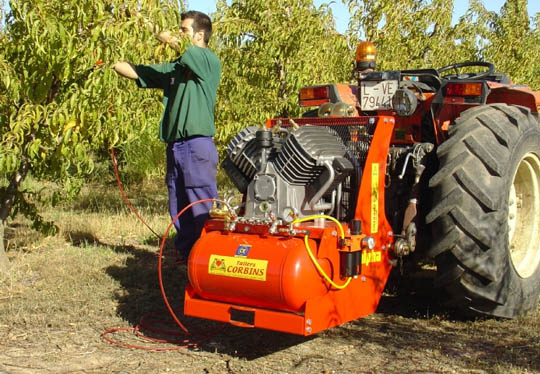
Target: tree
x=512 y=42
x=269 y=49
x=419 y=33
x=60 y=103
x=414 y=33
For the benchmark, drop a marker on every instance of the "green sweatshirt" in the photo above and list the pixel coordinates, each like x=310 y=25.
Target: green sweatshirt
x=189 y=87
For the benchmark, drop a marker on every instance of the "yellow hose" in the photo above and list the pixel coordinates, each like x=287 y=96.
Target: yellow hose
x=311 y=218
x=312 y=257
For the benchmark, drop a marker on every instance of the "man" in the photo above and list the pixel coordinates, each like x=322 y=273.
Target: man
x=187 y=126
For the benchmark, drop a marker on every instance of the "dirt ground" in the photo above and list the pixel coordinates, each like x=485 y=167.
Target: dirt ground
x=99 y=273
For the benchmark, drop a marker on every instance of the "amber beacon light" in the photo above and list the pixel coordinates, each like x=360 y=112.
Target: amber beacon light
x=365 y=56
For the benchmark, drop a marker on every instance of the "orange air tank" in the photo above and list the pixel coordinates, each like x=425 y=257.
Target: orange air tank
x=264 y=271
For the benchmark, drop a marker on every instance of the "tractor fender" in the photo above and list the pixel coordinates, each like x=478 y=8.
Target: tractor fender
x=514 y=95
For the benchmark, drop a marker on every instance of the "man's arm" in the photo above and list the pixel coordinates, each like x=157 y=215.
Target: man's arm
x=163 y=36
x=126 y=69
x=146 y=76
x=167 y=38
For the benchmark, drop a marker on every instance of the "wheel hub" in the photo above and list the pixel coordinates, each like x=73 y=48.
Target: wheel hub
x=524 y=216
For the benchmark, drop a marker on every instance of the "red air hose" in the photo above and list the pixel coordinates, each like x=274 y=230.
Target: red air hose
x=124 y=197
x=144 y=324
x=160 y=276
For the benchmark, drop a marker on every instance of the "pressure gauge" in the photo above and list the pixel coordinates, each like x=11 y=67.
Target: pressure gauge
x=289 y=214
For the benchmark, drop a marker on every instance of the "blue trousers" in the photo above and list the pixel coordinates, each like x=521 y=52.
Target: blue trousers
x=191 y=176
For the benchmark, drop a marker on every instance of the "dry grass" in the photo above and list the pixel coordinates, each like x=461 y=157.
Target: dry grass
x=99 y=272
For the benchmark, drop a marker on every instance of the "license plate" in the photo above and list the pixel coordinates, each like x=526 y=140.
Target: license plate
x=377 y=95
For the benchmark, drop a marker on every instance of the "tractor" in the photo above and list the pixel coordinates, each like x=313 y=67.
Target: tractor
x=442 y=164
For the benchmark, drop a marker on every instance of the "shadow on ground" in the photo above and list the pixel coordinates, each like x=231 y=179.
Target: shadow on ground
x=414 y=322
x=140 y=300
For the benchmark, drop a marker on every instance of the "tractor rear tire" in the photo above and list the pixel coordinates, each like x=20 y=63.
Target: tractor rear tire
x=486 y=212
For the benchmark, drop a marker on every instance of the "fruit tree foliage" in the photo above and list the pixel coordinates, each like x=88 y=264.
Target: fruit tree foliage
x=60 y=102
x=269 y=50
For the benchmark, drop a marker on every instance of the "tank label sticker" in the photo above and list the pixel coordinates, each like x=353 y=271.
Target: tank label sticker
x=374 y=198
x=371 y=257
x=246 y=268
x=242 y=250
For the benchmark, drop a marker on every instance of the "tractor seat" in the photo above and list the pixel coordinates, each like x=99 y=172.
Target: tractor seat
x=498 y=77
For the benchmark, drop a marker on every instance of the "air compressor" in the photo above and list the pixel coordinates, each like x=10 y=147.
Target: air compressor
x=299 y=256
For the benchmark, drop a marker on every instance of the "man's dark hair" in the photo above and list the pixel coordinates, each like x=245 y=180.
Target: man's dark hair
x=200 y=22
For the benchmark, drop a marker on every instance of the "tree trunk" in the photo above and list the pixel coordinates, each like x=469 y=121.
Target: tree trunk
x=4 y=262
x=8 y=198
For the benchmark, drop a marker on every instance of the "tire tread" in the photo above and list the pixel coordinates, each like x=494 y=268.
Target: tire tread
x=469 y=191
